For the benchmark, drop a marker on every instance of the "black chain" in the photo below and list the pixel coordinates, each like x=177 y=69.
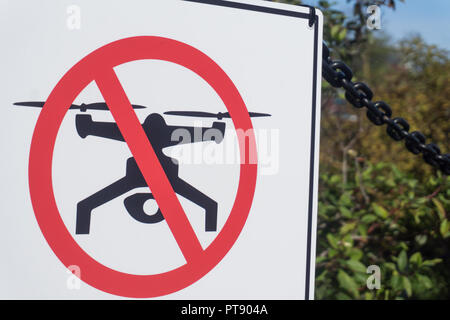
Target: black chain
x=339 y=75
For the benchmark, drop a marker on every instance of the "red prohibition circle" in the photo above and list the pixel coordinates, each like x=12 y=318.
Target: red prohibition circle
x=41 y=155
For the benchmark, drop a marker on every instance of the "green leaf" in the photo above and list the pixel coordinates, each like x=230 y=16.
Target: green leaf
x=431 y=263
x=347 y=283
x=416 y=259
x=439 y=207
x=425 y=281
x=360 y=278
x=368 y=296
x=335 y=179
x=380 y=211
x=345 y=200
x=421 y=239
x=369 y=218
x=345 y=212
x=366 y=175
x=356 y=266
x=402 y=261
x=403 y=245
x=346 y=227
x=335 y=30
x=347 y=241
x=332 y=240
x=332 y=252
x=342 y=34
x=389 y=265
x=362 y=229
x=320 y=259
x=445 y=226
x=322 y=276
x=396 y=282
x=390 y=183
x=397 y=173
x=407 y=286
x=355 y=254
x=433 y=181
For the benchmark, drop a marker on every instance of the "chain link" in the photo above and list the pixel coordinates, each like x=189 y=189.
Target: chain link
x=339 y=75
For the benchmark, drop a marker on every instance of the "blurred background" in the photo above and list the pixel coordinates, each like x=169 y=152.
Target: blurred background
x=379 y=204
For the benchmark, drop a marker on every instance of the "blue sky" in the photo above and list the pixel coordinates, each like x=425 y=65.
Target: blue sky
x=429 y=18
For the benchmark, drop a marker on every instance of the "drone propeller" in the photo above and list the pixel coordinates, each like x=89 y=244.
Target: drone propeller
x=82 y=107
x=218 y=115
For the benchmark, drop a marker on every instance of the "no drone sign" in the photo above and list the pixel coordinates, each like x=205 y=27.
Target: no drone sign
x=165 y=149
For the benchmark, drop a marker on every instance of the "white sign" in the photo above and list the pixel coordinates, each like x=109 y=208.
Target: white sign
x=159 y=149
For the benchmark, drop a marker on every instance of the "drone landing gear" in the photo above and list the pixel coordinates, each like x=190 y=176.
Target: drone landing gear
x=134 y=204
x=85 y=207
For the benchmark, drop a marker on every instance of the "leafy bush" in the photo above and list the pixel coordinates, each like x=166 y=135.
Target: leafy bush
x=392 y=217
x=383 y=217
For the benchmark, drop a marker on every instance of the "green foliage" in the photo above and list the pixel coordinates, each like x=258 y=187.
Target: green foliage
x=403 y=228
x=372 y=212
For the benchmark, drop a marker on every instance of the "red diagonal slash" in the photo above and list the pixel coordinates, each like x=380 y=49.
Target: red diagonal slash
x=148 y=163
